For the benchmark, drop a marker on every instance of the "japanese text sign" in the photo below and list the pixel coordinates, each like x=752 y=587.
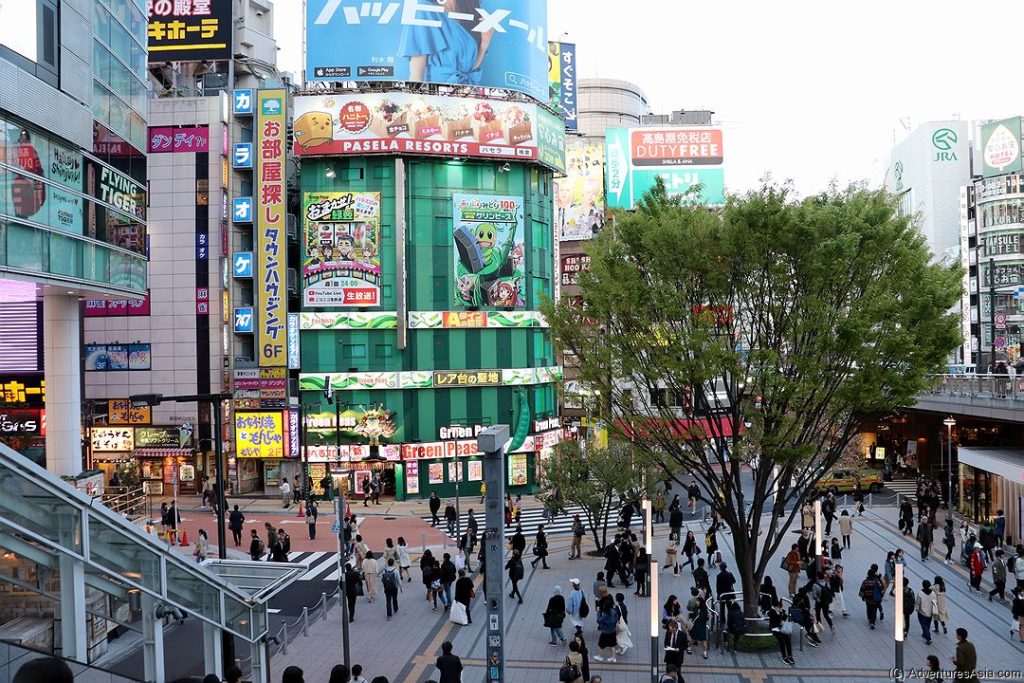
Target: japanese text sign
x=260 y=435
x=189 y=30
x=271 y=274
x=166 y=139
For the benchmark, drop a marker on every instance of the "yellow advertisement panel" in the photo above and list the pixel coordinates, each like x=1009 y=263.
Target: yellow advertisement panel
x=260 y=435
x=271 y=277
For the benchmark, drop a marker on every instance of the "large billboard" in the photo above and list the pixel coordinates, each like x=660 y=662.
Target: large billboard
x=271 y=278
x=682 y=157
x=1000 y=147
x=579 y=196
x=457 y=42
x=341 y=263
x=260 y=435
x=189 y=31
x=562 y=79
x=406 y=123
x=490 y=256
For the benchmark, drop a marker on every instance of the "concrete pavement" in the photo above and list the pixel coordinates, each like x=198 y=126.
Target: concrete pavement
x=404 y=649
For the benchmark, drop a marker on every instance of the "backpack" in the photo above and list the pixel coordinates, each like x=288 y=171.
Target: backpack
x=584 y=610
x=262 y=547
x=389 y=581
x=1011 y=564
x=287 y=543
x=876 y=592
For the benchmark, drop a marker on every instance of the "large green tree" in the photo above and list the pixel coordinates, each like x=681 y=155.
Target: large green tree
x=753 y=337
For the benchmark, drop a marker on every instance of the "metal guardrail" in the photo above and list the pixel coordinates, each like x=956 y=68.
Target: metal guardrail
x=129 y=502
x=1002 y=387
x=278 y=642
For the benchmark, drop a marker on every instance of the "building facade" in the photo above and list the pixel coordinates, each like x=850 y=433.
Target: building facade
x=73 y=206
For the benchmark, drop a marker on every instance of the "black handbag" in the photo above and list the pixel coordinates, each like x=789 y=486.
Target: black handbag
x=569 y=671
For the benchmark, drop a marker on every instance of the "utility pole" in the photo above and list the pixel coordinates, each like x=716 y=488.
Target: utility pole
x=491 y=443
x=992 y=310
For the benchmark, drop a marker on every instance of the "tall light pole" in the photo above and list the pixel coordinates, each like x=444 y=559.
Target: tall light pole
x=898 y=623
x=950 y=423
x=818 y=540
x=655 y=620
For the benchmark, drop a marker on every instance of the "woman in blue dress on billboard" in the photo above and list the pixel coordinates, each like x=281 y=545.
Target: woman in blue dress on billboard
x=450 y=53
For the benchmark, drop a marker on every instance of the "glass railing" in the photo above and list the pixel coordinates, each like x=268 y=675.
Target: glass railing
x=13 y=657
x=1003 y=387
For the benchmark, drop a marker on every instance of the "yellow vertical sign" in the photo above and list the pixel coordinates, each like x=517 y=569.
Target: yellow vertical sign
x=271 y=238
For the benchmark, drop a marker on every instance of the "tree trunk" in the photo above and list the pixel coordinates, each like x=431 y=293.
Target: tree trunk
x=746 y=569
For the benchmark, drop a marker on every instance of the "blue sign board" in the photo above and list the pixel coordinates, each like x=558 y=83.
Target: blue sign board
x=388 y=41
x=242 y=156
x=242 y=102
x=294 y=359
x=202 y=246
x=567 y=105
x=242 y=210
x=242 y=264
x=244 y=323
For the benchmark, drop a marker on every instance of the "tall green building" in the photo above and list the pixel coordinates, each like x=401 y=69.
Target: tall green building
x=421 y=283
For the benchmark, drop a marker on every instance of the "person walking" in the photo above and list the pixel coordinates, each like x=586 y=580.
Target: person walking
x=871 y=592
x=889 y=573
x=449 y=665
x=404 y=562
x=450 y=518
x=236 y=521
x=448 y=575
x=701 y=580
x=607 y=619
x=518 y=541
x=828 y=511
x=999 y=528
x=672 y=555
x=641 y=569
x=791 y=563
x=554 y=616
x=426 y=565
x=1017 y=610
x=966 y=658
x=998 y=577
x=846 y=528
x=202 y=546
x=577 y=607
x=926 y=606
x=540 y=548
x=941 y=613
x=435 y=505
x=574 y=659
x=286 y=493
x=949 y=539
x=924 y=537
x=675 y=645
x=578 y=532
x=282 y=546
x=906 y=518
x=271 y=535
x=976 y=563
x=699 y=619
x=464 y=593
x=391 y=583
x=675 y=521
x=353 y=587
x=690 y=549
x=370 y=569
x=311 y=514
x=611 y=563
x=516 y=571
x=256 y=547
x=581 y=645
x=807 y=516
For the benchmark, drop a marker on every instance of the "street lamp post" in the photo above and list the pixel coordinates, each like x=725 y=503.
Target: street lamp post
x=950 y=423
x=655 y=620
x=898 y=626
x=339 y=515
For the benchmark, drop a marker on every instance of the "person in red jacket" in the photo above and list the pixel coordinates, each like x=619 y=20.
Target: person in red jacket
x=977 y=567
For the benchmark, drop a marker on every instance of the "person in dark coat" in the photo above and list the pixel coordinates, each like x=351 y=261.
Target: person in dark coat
x=924 y=537
x=464 y=592
x=256 y=547
x=518 y=541
x=540 y=548
x=352 y=583
x=554 y=616
x=449 y=665
x=450 y=518
x=235 y=521
x=515 y=570
x=675 y=644
x=611 y=563
x=435 y=506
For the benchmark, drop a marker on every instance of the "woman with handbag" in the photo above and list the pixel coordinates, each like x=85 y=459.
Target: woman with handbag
x=540 y=549
x=782 y=629
x=699 y=627
x=554 y=616
x=571 y=670
x=690 y=548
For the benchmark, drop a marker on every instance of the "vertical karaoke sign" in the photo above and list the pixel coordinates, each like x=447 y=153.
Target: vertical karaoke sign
x=271 y=234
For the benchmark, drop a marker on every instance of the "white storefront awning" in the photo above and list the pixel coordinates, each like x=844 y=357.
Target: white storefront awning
x=1006 y=462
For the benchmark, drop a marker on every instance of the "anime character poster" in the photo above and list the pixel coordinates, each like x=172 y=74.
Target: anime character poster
x=579 y=196
x=490 y=256
x=341 y=266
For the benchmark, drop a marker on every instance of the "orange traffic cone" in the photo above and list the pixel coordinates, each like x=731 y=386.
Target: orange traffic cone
x=300 y=513
x=184 y=537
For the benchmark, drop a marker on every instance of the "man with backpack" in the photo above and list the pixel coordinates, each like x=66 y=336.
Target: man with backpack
x=871 y=593
x=389 y=579
x=577 y=608
x=256 y=547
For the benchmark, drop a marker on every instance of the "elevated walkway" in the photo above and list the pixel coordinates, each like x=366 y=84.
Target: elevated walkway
x=90 y=570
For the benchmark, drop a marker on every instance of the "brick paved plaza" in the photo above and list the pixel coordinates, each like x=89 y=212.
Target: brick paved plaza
x=404 y=649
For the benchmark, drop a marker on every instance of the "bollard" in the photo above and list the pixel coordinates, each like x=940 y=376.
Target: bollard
x=284 y=640
x=897 y=500
x=305 y=621
x=323 y=599
x=423 y=543
x=871 y=498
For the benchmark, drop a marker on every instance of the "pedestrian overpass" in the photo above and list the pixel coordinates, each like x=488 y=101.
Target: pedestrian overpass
x=66 y=558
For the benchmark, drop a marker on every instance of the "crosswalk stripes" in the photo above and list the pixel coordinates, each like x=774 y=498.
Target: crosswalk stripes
x=533 y=518
x=323 y=565
x=907 y=488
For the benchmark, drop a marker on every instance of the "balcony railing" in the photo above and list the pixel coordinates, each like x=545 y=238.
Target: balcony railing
x=1003 y=387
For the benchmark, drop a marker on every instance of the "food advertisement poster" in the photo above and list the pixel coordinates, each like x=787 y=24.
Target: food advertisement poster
x=341 y=265
x=412 y=477
x=260 y=435
x=490 y=254
x=435 y=473
x=579 y=196
x=455 y=471
x=359 y=124
x=476 y=470
x=517 y=470
x=497 y=44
